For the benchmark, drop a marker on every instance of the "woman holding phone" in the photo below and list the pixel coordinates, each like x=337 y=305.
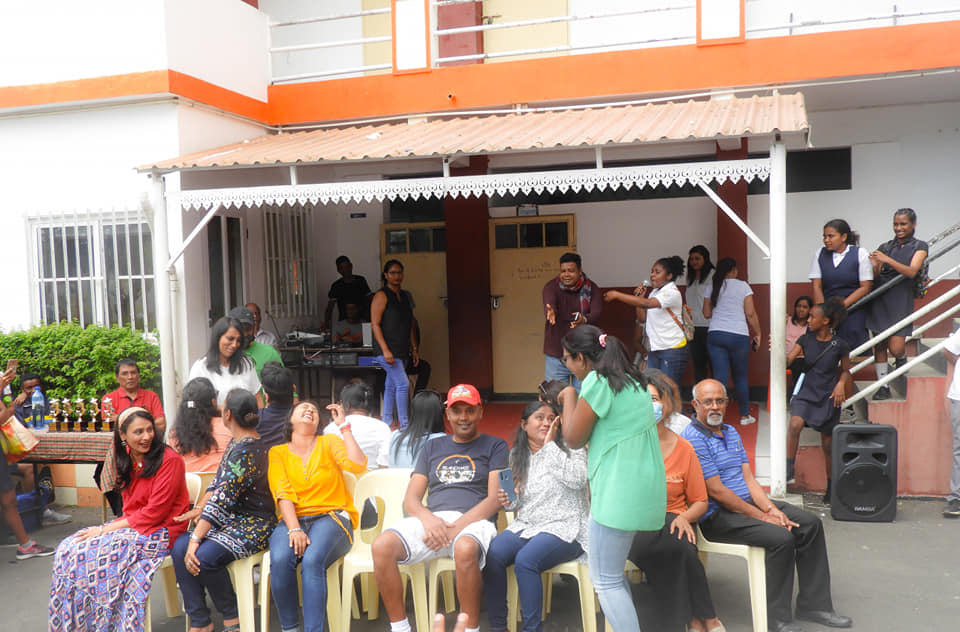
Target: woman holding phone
x=551 y=525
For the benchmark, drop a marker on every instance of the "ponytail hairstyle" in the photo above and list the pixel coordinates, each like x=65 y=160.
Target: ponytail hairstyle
x=243 y=408
x=693 y=275
x=724 y=266
x=520 y=453
x=121 y=456
x=842 y=227
x=193 y=428
x=389 y=264
x=672 y=265
x=834 y=311
x=608 y=355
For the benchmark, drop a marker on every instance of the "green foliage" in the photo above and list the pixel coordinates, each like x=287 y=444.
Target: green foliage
x=77 y=362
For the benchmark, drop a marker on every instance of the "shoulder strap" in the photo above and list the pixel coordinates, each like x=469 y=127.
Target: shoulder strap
x=832 y=344
x=676 y=320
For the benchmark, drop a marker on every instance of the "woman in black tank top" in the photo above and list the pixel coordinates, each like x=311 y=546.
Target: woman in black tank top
x=392 y=322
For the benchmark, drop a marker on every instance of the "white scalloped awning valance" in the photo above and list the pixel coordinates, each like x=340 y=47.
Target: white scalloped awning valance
x=496 y=184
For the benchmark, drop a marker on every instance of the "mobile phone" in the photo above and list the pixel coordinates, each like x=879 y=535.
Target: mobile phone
x=12 y=364
x=507 y=485
x=754 y=344
x=576 y=316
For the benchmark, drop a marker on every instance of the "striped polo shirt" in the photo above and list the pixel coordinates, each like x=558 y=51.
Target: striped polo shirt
x=720 y=455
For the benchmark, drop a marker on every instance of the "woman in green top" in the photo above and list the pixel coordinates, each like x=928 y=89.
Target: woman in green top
x=614 y=414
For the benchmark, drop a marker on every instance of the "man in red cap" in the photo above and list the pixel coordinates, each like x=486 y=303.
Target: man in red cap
x=460 y=472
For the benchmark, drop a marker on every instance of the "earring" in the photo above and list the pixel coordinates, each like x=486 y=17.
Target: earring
x=123 y=442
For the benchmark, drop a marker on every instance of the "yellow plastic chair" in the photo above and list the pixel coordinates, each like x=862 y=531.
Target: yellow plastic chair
x=387 y=488
x=577 y=570
x=242 y=577
x=756 y=573
x=171 y=594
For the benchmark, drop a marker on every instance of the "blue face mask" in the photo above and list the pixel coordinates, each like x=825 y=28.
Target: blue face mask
x=658 y=410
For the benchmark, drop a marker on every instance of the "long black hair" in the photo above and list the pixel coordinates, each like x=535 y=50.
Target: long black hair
x=609 y=356
x=672 y=265
x=724 y=266
x=793 y=316
x=193 y=428
x=425 y=418
x=121 y=456
x=693 y=275
x=243 y=408
x=843 y=228
x=239 y=361
x=520 y=452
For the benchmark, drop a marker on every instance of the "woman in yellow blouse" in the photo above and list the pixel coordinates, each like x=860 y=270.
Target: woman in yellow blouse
x=316 y=511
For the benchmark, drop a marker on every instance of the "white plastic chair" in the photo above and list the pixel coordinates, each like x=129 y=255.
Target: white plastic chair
x=574 y=568
x=756 y=573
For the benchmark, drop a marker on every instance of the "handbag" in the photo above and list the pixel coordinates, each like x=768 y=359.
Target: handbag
x=686 y=326
x=16 y=440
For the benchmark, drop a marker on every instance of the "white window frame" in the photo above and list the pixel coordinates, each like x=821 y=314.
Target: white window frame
x=288 y=250
x=95 y=281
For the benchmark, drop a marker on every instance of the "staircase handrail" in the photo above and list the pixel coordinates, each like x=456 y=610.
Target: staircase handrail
x=889 y=377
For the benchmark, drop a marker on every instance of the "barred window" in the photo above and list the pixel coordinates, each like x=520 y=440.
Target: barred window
x=94 y=268
x=289 y=263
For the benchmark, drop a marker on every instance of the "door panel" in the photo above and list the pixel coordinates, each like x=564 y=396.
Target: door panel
x=421 y=248
x=524 y=255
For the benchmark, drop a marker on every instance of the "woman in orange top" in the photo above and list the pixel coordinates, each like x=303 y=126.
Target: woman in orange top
x=671 y=563
x=316 y=511
x=198 y=433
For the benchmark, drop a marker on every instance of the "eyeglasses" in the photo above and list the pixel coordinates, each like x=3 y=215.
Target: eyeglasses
x=542 y=387
x=720 y=401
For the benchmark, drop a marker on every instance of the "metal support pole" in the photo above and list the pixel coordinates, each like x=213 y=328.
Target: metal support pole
x=161 y=279
x=719 y=201
x=778 y=326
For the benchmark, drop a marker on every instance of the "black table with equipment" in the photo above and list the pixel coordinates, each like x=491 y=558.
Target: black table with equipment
x=321 y=372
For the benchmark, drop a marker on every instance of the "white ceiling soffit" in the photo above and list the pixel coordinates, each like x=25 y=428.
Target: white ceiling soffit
x=500 y=184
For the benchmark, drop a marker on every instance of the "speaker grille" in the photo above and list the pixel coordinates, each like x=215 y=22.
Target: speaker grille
x=864 y=489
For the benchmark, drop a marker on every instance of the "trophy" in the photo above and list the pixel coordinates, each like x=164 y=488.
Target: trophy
x=80 y=408
x=106 y=410
x=67 y=414
x=94 y=410
x=55 y=414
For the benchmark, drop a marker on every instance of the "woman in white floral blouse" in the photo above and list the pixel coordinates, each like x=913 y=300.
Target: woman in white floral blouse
x=552 y=510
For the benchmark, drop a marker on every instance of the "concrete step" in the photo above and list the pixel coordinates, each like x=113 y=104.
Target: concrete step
x=938 y=361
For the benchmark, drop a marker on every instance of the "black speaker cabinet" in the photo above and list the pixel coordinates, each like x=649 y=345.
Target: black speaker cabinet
x=864 y=473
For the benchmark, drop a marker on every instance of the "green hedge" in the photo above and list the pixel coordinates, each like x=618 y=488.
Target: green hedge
x=79 y=362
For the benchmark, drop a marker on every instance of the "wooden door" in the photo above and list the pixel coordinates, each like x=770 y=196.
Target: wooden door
x=524 y=255
x=421 y=248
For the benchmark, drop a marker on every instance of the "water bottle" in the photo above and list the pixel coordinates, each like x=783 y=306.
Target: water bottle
x=38 y=406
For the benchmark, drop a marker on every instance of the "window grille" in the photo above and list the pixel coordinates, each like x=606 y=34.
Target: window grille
x=94 y=268
x=290 y=267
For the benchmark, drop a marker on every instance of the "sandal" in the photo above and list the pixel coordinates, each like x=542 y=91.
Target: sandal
x=235 y=627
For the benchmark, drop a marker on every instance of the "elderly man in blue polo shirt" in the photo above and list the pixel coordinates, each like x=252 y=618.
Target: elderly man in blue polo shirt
x=741 y=513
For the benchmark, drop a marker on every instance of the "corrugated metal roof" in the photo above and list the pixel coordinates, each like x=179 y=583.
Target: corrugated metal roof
x=590 y=127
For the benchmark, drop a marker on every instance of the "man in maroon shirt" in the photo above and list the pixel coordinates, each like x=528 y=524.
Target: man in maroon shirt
x=569 y=300
x=130 y=394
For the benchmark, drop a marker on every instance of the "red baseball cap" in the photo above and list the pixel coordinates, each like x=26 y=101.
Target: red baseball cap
x=465 y=393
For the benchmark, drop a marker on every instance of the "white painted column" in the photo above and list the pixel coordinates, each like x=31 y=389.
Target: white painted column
x=162 y=282
x=778 y=325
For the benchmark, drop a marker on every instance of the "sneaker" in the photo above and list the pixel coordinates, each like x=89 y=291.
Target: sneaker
x=33 y=550
x=952 y=510
x=882 y=393
x=746 y=421
x=51 y=517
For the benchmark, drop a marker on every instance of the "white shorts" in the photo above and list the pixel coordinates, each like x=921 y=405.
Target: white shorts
x=411 y=533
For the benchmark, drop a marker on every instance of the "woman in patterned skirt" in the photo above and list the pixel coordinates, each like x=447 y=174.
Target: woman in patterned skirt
x=102 y=575
x=235 y=521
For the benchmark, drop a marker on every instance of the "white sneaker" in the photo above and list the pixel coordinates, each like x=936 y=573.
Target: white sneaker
x=52 y=517
x=746 y=421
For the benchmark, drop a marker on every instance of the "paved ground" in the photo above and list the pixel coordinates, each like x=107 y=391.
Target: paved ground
x=895 y=576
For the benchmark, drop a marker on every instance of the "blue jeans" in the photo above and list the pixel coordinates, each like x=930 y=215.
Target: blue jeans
x=673 y=362
x=213 y=578
x=531 y=557
x=396 y=390
x=731 y=351
x=328 y=543
x=608 y=554
x=555 y=369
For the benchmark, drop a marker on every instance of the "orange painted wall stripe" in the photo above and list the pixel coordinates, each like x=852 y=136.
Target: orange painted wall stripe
x=598 y=75
x=631 y=72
